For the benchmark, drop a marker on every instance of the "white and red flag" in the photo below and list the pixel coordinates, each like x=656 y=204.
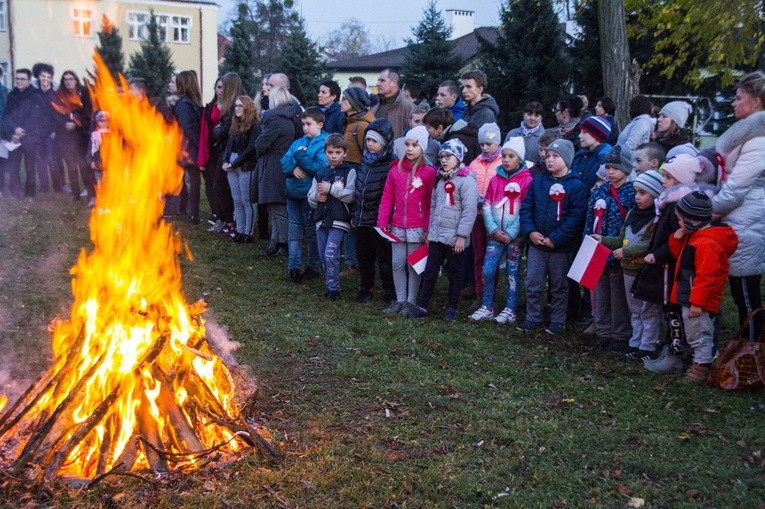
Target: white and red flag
x=387 y=235
x=419 y=258
x=589 y=263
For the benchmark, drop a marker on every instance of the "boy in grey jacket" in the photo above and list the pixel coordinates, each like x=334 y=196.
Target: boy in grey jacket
x=453 y=211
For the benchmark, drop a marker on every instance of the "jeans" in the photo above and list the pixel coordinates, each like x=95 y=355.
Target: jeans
x=746 y=294
x=301 y=226
x=193 y=179
x=329 y=240
x=349 y=248
x=552 y=267
x=478 y=239
x=244 y=211
x=494 y=253
x=437 y=253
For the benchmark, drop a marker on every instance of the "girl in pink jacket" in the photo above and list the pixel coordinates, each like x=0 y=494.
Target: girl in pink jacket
x=405 y=212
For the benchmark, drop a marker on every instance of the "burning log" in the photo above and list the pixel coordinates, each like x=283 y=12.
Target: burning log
x=134 y=384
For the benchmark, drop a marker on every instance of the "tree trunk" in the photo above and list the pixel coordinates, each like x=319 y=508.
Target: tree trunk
x=615 y=56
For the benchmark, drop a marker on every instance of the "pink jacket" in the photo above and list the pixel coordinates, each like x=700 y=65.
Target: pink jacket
x=498 y=218
x=484 y=172
x=406 y=198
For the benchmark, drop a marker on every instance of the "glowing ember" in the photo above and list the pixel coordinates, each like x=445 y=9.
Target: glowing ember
x=134 y=383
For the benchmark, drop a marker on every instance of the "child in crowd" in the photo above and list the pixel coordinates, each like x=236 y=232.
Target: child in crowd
x=452 y=214
x=372 y=248
x=549 y=136
x=405 y=211
x=304 y=159
x=552 y=217
x=484 y=167
x=629 y=246
x=606 y=212
x=332 y=191
x=593 y=133
x=701 y=252
x=647 y=156
x=431 y=151
x=501 y=216
x=654 y=282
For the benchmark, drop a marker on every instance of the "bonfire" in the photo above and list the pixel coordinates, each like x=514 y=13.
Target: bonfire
x=134 y=384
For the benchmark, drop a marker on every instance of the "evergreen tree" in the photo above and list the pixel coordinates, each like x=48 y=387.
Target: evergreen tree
x=300 y=59
x=110 y=47
x=240 y=56
x=272 y=21
x=527 y=62
x=587 y=74
x=430 y=59
x=154 y=62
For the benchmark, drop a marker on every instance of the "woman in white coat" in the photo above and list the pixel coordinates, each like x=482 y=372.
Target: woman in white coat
x=741 y=199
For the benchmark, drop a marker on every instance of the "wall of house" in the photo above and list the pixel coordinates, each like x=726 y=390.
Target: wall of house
x=371 y=77
x=44 y=31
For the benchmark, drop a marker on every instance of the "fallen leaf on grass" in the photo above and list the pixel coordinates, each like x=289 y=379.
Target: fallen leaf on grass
x=624 y=490
x=558 y=503
x=636 y=502
x=209 y=486
x=408 y=487
x=683 y=436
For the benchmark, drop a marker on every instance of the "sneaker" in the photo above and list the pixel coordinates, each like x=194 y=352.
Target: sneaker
x=506 y=316
x=555 y=328
x=91 y=203
x=295 y=276
x=619 y=346
x=481 y=314
x=590 y=330
x=665 y=362
x=394 y=308
x=217 y=226
x=310 y=273
x=333 y=295
x=698 y=372
x=364 y=296
x=84 y=193
x=636 y=354
x=528 y=325
x=413 y=311
x=450 y=315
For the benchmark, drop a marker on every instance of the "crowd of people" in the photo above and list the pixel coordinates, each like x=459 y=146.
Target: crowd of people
x=396 y=190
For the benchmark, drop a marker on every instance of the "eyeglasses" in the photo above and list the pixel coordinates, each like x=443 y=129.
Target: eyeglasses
x=238 y=106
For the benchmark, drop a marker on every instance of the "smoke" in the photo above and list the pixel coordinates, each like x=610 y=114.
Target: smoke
x=217 y=336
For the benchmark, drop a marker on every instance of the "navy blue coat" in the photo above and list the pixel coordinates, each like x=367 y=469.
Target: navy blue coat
x=586 y=163
x=334 y=119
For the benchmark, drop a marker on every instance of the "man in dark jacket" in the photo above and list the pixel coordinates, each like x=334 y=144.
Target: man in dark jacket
x=24 y=123
x=481 y=108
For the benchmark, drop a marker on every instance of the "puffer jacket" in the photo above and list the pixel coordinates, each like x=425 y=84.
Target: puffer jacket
x=499 y=212
x=612 y=219
x=451 y=220
x=587 y=161
x=539 y=212
x=370 y=179
x=654 y=281
x=406 y=197
x=637 y=132
x=484 y=171
x=308 y=155
x=701 y=270
x=741 y=199
x=635 y=249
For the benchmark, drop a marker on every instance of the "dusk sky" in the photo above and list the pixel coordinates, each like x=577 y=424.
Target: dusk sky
x=391 y=19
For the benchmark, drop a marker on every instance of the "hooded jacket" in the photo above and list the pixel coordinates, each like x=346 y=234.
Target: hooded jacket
x=355 y=126
x=701 y=270
x=335 y=212
x=741 y=199
x=308 y=155
x=334 y=118
x=499 y=213
x=406 y=197
x=370 y=179
x=452 y=214
x=540 y=212
x=637 y=132
x=483 y=112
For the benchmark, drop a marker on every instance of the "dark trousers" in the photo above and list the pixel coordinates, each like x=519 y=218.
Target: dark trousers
x=263 y=222
x=32 y=156
x=223 y=200
x=437 y=253
x=371 y=250
x=208 y=174
x=193 y=181
x=747 y=296
x=50 y=162
x=76 y=167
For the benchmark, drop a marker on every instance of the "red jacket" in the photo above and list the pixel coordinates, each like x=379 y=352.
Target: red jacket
x=405 y=201
x=702 y=267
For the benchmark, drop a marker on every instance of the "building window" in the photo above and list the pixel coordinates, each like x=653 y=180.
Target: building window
x=83 y=22
x=3 y=16
x=137 y=22
x=161 y=26
x=181 y=29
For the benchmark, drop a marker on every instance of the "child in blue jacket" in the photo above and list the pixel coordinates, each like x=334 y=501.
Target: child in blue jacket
x=304 y=159
x=552 y=217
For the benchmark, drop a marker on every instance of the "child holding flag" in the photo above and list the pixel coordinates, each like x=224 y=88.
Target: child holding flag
x=452 y=214
x=552 y=216
x=501 y=215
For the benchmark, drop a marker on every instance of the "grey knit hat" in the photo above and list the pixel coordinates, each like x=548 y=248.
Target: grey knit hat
x=489 y=133
x=677 y=111
x=696 y=210
x=358 y=98
x=565 y=149
x=650 y=182
x=615 y=159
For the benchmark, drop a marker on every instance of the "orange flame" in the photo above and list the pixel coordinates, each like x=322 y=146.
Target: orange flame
x=128 y=305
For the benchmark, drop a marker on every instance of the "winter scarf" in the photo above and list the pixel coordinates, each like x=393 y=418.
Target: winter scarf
x=638 y=218
x=526 y=132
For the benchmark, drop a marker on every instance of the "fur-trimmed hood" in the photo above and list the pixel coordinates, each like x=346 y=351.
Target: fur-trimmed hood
x=675 y=193
x=742 y=131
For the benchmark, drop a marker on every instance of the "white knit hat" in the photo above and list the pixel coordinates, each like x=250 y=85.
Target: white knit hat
x=677 y=111
x=420 y=135
x=516 y=145
x=684 y=168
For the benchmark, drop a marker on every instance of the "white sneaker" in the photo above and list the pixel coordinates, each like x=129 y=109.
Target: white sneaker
x=481 y=314
x=507 y=315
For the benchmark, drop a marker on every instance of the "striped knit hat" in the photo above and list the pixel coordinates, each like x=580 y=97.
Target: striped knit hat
x=650 y=182
x=597 y=127
x=696 y=210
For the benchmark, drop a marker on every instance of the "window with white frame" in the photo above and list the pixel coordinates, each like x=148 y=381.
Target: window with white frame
x=137 y=29
x=3 y=16
x=181 y=29
x=161 y=26
x=82 y=20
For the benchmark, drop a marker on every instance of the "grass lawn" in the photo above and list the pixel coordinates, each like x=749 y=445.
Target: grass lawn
x=377 y=412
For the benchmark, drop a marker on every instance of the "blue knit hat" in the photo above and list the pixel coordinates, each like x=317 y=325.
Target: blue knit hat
x=454 y=147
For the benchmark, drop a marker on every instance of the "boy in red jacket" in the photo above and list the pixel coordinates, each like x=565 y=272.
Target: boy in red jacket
x=701 y=271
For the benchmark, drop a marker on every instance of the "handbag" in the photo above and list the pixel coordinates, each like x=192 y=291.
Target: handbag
x=741 y=364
